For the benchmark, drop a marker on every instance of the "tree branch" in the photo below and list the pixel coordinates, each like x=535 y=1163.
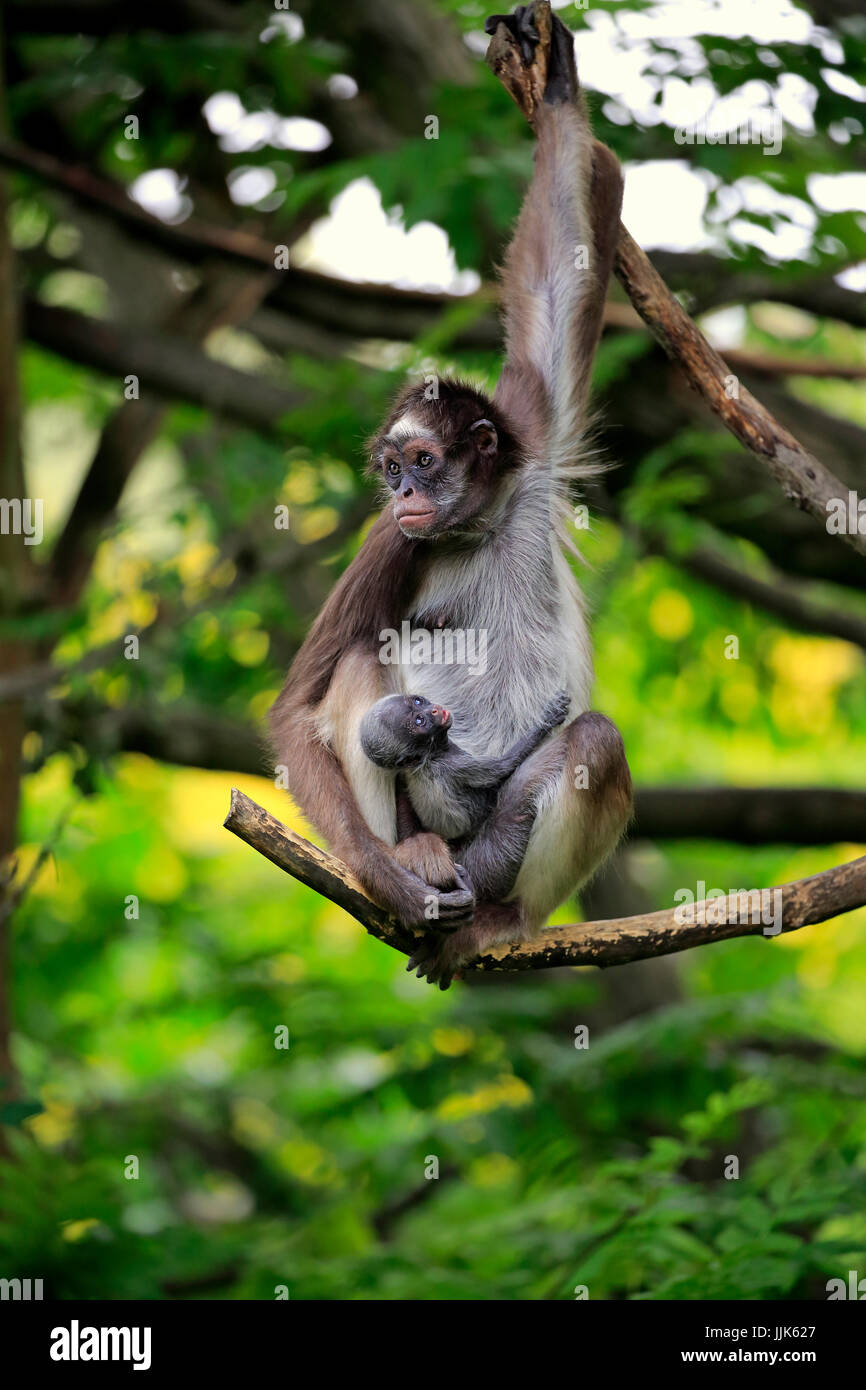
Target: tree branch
x=776 y=594
x=804 y=480
x=711 y=280
x=614 y=942
x=194 y=238
x=752 y=815
x=166 y=364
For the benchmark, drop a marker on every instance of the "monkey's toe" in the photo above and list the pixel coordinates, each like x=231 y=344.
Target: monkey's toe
x=432 y=961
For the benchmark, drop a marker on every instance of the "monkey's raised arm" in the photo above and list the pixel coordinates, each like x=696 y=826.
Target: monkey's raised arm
x=559 y=262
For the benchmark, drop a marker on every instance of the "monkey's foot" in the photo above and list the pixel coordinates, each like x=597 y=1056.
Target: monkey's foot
x=544 y=42
x=429 y=858
x=437 y=958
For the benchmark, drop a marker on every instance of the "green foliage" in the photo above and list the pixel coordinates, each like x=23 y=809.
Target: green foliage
x=155 y=957
x=154 y=1037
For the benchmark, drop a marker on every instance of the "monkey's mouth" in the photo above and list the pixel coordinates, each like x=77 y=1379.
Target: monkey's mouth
x=411 y=519
x=441 y=717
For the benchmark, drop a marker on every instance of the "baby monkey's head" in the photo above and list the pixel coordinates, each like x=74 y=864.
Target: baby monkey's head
x=403 y=730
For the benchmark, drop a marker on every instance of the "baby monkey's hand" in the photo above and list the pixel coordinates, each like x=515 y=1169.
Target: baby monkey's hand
x=556 y=710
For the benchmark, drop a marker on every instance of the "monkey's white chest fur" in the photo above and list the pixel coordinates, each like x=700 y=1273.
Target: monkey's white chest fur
x=515 y=601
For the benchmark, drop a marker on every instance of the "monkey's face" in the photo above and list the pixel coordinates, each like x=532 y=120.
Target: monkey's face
x=415 y=470
x=417 y=727
x=426 y=723
x=402 y=730
x=439 y=461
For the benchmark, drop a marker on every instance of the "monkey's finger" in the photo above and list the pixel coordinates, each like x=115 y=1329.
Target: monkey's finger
x=521 y=27
x=455 y=922
x=463 y=879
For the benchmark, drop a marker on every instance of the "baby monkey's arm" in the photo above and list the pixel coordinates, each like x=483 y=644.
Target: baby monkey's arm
x=489 y=773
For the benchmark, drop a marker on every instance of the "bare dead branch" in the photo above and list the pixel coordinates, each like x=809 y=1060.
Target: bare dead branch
x=614 y=942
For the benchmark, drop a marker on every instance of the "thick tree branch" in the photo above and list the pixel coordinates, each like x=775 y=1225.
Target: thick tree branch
x=752 y=815
x=187 y=735
x=776 y=594
x=361 y=310
x=615 y=942
x=170 y=366
x=712 y=280
x=804 y=480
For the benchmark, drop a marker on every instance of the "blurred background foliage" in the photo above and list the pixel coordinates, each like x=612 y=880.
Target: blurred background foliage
x=152 y=960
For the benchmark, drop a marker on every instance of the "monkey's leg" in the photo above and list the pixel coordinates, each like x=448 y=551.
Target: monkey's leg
x=584 y=802
x=422 y=853
x=492 y=858
x=351 y=801
x=583 y=813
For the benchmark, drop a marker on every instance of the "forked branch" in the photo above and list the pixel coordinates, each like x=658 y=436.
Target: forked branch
x=615 y=942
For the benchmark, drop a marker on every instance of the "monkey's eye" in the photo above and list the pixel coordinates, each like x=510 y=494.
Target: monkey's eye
x=393 y=467
x=419 y=720
x=416 y=700
x=425 y=460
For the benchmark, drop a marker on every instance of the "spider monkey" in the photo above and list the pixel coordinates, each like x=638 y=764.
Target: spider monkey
x=471 y=538
x=478 y=802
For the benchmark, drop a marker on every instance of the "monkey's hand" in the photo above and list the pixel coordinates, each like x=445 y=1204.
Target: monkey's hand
x=561 y=85
x=555 y=712
x=429 y=858
x=414 y=901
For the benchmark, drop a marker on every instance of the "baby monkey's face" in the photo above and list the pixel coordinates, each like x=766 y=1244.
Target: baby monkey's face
x=404 y=730
x=417 y=728
x=424 y=721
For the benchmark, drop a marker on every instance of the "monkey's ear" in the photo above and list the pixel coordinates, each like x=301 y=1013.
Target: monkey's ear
x=484 y=437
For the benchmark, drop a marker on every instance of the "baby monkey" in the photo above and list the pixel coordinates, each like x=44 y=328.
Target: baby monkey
x=485 y=807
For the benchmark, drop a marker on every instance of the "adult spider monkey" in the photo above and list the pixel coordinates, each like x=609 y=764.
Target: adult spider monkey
x=471 y=539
